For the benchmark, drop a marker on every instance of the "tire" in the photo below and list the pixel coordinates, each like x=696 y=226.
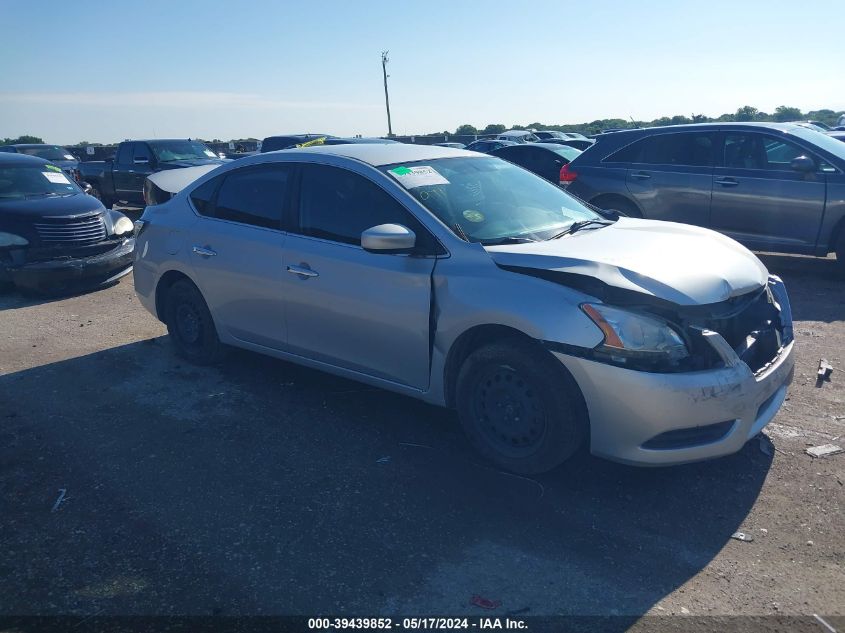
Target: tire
x=497 y=384
x=620 y=206
x=191 y=326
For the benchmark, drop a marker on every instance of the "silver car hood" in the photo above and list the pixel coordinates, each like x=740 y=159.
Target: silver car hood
x=684 y=264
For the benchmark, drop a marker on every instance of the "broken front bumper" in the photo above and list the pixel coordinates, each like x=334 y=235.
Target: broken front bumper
x=71 y=272
x=628 y=409
x=673 y=418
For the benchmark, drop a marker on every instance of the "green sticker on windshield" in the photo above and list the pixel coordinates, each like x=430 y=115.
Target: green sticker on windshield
x=474 y=216
x=53 y=168
x=421 y=176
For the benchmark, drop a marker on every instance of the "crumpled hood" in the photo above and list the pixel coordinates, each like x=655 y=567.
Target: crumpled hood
x=684 y=264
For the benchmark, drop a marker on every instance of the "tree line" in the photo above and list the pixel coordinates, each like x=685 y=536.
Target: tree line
x=745 y=113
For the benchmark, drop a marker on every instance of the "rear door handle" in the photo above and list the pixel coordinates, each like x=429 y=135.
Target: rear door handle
x=727 y=182
x=302 y=271
x=641 y=175
x=204 y=251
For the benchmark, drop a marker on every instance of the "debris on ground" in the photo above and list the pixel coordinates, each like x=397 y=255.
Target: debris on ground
x=825 y=450
x=825 y=370
x=765 y=444
x=484 y=603
x=742 y=536
x=383 y=460
x=60 y=500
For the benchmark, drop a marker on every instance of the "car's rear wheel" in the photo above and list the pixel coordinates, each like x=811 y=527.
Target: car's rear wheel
x=520 y=408
x=191 y=326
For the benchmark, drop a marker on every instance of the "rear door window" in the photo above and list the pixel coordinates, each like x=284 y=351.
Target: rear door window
x=124 y=154
x=141 y=152
x=254 y=195
x=688 y=149
x=202 y=196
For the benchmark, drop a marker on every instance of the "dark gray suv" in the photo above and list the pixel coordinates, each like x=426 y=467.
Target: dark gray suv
x=773 y=187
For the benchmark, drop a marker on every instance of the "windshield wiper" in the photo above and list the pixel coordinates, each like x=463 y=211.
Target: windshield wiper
x=507 y=240
x=577 y=226
x=43 y=194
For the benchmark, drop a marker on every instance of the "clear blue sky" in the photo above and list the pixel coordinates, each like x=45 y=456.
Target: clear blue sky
x=105 y=71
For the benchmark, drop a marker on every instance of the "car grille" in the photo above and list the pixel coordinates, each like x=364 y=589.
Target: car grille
x=84 y=230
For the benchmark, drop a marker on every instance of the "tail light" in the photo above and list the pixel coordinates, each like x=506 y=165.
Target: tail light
x=566 y=174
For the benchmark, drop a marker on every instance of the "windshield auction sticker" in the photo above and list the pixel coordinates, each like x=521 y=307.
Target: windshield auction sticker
x=422 y=176
x=59 y=179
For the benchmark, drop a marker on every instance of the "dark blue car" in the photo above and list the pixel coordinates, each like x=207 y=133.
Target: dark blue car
x=52 y=235
x=773 y=187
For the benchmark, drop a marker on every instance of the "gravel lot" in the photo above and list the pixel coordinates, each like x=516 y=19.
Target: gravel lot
x=263 y=488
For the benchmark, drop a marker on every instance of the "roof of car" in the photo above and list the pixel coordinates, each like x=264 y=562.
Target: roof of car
x=9 y=160
x=378 y=154
x=31 y=145
x=516 y=133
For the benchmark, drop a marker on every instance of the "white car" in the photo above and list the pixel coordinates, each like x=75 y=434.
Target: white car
x=468 y=282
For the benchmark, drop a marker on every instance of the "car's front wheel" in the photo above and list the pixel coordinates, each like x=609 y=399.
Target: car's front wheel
x=190 y=325
x=520 y=407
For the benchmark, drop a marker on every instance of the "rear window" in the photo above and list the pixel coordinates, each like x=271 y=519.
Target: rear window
x=691 y=149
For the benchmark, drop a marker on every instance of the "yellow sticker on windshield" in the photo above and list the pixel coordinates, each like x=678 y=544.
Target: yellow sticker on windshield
x=474 y=216
x=53 y=168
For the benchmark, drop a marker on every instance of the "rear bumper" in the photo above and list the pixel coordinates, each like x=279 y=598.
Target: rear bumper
x=58 y=274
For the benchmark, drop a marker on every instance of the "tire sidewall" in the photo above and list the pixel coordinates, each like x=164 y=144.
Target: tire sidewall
x=566 y=424
x=207 y=349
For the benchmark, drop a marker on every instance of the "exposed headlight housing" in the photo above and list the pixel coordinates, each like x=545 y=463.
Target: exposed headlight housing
x=635 y=339
x=123 y=225
x=10 y=239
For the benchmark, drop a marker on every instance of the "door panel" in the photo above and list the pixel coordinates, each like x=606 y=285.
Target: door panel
x=368 y=312
x=670 y=177
x=362 y=311
x=760 y=201
x=139 y=172
x=239 y=271
x=236 y=250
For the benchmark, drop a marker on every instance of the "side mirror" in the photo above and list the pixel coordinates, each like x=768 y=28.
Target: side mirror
x=803 y=163
x=388 y=239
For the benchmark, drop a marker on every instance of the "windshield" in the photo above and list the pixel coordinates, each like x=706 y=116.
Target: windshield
x=49 y=152
x=20 y=183
x=181 y=150
x=489 y=200
x=821 y=140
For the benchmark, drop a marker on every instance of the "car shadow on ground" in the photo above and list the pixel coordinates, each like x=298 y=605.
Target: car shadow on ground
x=260 y=487
x=22 y=298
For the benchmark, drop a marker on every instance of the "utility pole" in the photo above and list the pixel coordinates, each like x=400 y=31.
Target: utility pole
x=384 y=61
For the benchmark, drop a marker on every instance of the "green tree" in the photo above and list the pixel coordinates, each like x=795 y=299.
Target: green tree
x=494 y=128
x=680 y=119
x=787 y=113
x=466 y=128
x=26 y=138
x=746 y=113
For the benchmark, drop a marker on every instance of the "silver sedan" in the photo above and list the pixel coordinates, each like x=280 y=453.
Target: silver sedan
x=468 y=282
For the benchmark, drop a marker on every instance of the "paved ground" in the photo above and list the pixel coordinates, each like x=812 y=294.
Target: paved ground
x=261 y=487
